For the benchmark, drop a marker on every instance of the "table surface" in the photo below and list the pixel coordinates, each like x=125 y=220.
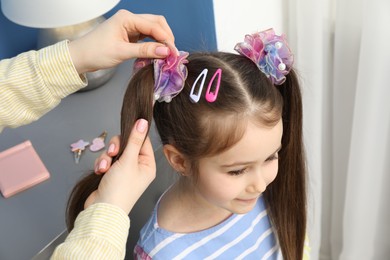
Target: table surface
x=31 y=219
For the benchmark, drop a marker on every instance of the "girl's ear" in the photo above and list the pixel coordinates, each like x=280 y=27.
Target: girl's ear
x=175 y=158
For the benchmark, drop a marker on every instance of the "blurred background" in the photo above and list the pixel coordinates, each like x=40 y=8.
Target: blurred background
x=342 y=54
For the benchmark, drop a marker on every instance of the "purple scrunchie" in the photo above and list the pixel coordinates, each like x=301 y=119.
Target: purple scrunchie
x=269 y=52
x=169 y=75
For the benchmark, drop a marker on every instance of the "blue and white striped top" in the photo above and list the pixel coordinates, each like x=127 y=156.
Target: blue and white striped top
x=246 y=236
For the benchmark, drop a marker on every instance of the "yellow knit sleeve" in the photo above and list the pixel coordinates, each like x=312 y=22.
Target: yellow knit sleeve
x=34 y=82
x=306 y=249
x=100 y=232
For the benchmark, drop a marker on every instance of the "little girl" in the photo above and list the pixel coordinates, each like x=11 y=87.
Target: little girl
x=231 y=126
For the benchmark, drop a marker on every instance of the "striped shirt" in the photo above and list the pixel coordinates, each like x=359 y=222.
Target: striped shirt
x=246 y=236
x=34 y=82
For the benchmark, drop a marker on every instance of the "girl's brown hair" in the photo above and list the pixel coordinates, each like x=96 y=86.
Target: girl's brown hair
x=204 y=129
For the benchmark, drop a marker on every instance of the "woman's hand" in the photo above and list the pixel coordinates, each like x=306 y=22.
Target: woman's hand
x=130 y=175
x=116 y=40
x=103 y=162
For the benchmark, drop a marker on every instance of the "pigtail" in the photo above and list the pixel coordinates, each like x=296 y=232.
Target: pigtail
x=137 y=103
x=286 y=196
x=78 y=196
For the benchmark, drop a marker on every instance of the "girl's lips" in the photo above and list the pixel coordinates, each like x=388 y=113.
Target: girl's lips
x=247 y=200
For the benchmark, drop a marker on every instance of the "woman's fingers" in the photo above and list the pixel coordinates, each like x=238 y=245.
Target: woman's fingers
x=103 y=162
x=131 y=174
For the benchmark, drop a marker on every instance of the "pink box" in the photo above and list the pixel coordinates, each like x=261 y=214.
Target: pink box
x=20 y=169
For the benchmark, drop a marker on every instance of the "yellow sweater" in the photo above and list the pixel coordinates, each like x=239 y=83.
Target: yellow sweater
x=100 y=232
x=34 y=82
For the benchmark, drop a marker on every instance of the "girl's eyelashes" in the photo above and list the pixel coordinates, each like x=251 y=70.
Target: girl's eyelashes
x=273 y=157
x=237 y=172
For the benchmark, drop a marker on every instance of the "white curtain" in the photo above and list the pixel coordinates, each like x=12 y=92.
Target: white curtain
x=342 y=49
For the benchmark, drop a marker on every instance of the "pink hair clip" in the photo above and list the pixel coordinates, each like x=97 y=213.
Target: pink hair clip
x=195 y=97
x=98 y=142
x=212 y=96
x=77 y=148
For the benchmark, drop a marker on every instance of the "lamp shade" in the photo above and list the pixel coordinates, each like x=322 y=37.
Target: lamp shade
x=52 y=13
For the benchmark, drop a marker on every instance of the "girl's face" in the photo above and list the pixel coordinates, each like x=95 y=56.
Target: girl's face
x=234 y=179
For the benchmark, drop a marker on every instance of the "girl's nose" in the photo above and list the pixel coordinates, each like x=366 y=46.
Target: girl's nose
x=258 y=183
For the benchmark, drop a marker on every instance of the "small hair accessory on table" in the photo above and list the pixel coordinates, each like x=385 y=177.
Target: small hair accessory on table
x=169 y=74
x=98 y=142
x=78 y=148
x=270 y=52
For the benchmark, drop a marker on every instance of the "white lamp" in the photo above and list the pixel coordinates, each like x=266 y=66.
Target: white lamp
x=59 y=20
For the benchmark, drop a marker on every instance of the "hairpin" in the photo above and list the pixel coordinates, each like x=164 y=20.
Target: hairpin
x=78 y=148
x=98 y=142
x=195 y=97
x=269 y=52
x=212 y=96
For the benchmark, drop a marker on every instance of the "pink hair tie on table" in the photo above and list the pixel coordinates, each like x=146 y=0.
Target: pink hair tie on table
x=169 y=74
x=270 y=52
